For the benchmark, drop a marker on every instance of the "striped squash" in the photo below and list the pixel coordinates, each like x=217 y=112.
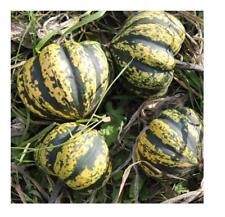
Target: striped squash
x=64 y=82
x=151 y=39
x=171 y=144
x=78 y=157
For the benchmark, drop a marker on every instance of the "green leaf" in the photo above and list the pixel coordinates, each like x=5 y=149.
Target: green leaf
x=115 y=192
x=131 y=189
x=118 y=176
x=27 y=198
x=111 y=129
x=44 y=40
x=144 y=196
x=193 y=79
x=15 y=154
x=16 y=140
x=115 y=113
x=99 y=198
x=110 y=133
x=180 y=188
x=85 y=21
x=35 y=193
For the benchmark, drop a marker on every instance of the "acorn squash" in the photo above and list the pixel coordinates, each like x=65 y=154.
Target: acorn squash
x=150 y=39
x=171 y=144
x=77 y=156
x=65 y=81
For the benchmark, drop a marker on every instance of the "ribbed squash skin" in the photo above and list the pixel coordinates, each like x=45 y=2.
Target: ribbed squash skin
x=152 y=39
x=172 y=143
x=64 y=82
x=82 y=162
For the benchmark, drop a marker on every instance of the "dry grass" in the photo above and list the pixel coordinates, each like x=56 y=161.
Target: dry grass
x=33 y=30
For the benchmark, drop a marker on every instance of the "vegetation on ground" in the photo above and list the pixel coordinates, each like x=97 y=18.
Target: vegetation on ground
x=120 y=116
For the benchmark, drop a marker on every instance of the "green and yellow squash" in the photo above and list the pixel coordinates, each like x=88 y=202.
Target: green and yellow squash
x=64 y=81
x=150 y=39
x=77 y=156
x=171 y=144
